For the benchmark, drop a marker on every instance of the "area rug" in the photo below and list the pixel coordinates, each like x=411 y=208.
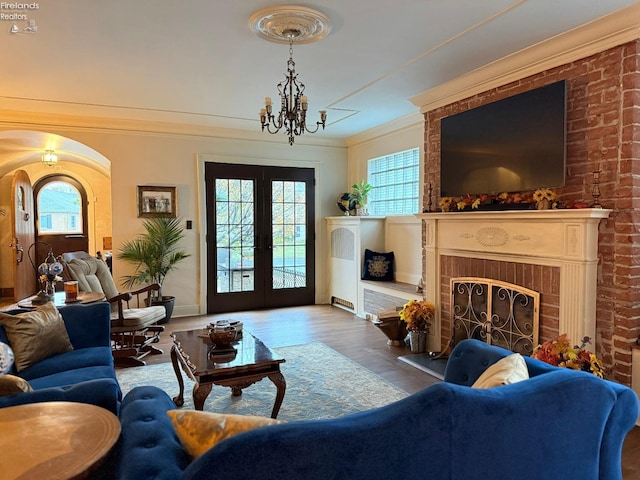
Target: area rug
x=321 y=383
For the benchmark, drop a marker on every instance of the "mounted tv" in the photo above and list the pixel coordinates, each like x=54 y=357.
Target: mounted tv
x=511 y=145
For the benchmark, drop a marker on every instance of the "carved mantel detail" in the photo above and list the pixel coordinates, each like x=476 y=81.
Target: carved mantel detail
x=567 y=239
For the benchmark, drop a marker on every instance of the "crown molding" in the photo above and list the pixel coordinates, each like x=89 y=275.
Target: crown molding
x=615 y=29
x=35 y=120
x=388 y=128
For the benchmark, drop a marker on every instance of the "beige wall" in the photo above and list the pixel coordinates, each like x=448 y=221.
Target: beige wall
x=165 y=159
x=384 y=142
x=97 y=186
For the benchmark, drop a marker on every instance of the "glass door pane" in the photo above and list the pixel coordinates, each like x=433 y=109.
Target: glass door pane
x=235 y=235
x=288 y=216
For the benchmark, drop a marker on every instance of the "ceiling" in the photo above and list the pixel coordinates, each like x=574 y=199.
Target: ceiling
x=197 y=62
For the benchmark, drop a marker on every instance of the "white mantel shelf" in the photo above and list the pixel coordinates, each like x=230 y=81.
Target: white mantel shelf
x=566 y=238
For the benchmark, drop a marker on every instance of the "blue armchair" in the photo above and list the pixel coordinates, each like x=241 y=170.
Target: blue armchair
x=85 y=374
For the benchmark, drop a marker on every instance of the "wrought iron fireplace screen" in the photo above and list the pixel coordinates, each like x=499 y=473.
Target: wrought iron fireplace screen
x=499 y=313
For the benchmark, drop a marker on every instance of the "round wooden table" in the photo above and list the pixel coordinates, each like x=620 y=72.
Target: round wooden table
x=59 y=299
x=54 y=440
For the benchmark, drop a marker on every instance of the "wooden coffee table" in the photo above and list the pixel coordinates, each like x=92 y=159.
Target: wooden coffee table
x=251 y=362
x=55 y=440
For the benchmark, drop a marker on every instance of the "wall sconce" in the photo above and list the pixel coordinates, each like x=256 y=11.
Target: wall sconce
x=49 y=158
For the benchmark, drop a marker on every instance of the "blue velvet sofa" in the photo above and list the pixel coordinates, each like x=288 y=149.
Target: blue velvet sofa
x=85 y=374
x=558 y=424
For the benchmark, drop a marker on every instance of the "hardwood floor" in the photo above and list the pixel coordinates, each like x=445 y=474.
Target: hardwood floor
x=355 y=338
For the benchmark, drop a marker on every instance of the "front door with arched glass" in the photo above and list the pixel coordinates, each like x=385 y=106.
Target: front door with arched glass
x=61 y=216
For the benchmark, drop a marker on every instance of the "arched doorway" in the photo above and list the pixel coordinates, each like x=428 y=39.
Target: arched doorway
x=23 y=150
x=61 y=215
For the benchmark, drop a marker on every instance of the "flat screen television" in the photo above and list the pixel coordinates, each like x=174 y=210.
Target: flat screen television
x=511 y=145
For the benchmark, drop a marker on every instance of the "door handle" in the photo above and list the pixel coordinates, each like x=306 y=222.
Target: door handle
x=19 y=254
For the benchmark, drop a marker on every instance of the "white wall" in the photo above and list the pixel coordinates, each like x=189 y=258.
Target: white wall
x=154 y=157
x=403 y=235
x=395 y=137
x=164 y=159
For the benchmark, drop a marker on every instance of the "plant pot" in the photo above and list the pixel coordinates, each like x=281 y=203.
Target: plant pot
x=418 y=341
x=543 y=204
x=167 y=302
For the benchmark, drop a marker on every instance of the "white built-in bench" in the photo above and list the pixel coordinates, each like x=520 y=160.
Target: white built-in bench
x=348 y=239
x=379 y=296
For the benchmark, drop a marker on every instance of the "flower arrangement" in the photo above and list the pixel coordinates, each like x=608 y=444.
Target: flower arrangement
x=445 y=203
x=531 y=197
x=418 y=315
x=560 y=353
x=544 y=194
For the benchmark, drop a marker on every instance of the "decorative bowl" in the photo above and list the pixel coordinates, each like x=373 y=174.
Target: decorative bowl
x=224 y=356
x=222 y=338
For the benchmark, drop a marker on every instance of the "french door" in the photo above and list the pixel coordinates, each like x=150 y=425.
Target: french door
x=260 y=237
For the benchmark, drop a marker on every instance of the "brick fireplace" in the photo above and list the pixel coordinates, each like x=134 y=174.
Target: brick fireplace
x=554 y=252
x=603 y=117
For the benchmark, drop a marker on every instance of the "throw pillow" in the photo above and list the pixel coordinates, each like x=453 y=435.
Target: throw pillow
x=378 y=266
x=505 y=371
x=10 y=384
x=36 y=335
x=199 y=431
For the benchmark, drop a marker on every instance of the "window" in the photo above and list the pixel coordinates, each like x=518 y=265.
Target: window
x=45 y=222
x=396 y=183
x=59 y=209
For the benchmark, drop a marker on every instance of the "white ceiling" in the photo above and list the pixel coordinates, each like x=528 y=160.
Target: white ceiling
x=197 y=61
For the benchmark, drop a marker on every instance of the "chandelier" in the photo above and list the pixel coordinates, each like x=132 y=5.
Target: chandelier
x=293 y=104
x=49 y=158
x=286 y=24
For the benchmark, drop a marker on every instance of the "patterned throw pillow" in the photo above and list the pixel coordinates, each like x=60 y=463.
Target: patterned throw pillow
x=199 y=431
x=378 y=266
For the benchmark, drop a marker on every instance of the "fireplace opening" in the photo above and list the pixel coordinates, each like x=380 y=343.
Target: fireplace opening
x=499 y=313
x=495 y=312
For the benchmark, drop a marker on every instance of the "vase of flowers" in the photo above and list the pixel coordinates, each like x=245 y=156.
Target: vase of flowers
x=560 y=353
x=544 y=198
x=418 y=315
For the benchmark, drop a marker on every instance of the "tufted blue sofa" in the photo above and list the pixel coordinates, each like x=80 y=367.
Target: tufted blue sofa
x=85 y=374
x=558 y=424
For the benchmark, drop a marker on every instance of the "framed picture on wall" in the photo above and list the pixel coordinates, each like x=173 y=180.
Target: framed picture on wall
x=156 y=201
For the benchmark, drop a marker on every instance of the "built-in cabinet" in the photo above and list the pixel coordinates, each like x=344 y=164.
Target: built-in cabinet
x=349 y=236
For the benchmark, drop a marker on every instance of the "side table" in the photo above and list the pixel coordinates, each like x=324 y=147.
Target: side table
x=55 y=440
x=59 y=299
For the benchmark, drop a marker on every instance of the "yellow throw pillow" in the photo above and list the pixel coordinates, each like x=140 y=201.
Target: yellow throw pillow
x=505 y=371
x=36 y=335
x=10 y=384
x=199 y=431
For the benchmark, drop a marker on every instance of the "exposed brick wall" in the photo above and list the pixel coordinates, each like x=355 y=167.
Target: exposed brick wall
x=603 y=116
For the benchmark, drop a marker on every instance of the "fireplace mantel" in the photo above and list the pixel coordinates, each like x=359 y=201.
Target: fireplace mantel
x=567 y=239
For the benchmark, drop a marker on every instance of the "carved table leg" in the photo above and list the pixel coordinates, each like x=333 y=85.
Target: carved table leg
x=281 y=385
x=200 y=393
x=179 y=399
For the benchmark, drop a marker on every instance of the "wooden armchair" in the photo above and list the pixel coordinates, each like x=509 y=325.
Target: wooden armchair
x=133 y=318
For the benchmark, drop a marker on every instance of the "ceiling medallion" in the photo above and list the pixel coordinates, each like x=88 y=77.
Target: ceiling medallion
x=290 y=24
x=276 y=24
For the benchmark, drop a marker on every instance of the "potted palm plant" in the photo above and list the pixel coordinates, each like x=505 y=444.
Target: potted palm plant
x=155 y=253
x=359 y=192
